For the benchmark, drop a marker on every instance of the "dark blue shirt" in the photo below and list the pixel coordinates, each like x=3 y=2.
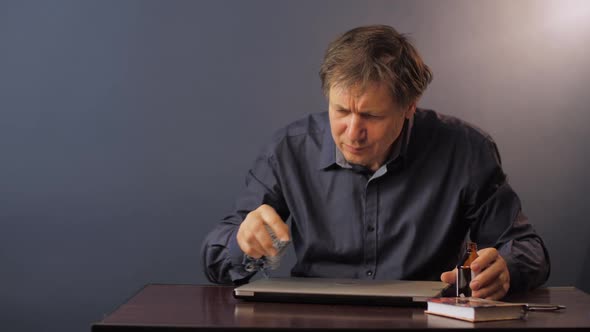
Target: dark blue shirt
x=407 y=220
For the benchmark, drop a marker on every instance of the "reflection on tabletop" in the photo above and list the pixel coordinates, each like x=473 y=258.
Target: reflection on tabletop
x=275 y=314
x=265 y=310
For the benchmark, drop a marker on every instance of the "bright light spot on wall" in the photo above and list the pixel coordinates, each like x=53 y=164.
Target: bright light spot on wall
x=568 y=14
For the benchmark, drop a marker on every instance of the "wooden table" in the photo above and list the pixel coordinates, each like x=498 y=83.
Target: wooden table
x=162 y=307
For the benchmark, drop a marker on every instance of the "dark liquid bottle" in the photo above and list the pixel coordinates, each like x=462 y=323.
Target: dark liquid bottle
x=464 y=273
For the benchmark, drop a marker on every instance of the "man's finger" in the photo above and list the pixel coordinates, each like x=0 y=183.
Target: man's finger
x=487 y=276
x=449 y=276
x=255 y=253
x=485 y=258
x=274 y=221
x=247 y=235
x=493 y=291
x=265 y=241
x=251 y=247
x=493 y=282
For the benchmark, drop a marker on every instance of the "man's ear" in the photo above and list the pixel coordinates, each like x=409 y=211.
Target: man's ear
x=411 y=109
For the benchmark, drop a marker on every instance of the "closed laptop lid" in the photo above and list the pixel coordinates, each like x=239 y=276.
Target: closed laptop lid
x=351 y=291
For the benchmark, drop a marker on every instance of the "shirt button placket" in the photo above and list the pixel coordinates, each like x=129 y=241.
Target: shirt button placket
x=370 y=235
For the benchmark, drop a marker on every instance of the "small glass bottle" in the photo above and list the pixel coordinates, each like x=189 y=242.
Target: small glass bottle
x=464 y=273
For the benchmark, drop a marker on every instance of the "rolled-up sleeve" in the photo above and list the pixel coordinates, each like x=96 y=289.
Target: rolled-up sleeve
x=496 y=220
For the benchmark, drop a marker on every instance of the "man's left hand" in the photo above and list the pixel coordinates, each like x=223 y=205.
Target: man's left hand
x=492 y=278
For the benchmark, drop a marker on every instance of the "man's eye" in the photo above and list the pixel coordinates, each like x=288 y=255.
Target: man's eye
x=370 y=116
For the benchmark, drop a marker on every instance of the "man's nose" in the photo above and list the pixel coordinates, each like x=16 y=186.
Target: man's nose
x=356 y=130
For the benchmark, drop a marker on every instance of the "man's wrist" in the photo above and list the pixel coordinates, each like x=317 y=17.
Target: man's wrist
x=235 y=252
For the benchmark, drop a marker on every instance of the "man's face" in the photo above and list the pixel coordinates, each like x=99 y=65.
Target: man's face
x=365 y=125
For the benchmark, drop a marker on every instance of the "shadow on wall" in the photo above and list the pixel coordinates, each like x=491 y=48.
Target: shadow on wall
x=584 y=279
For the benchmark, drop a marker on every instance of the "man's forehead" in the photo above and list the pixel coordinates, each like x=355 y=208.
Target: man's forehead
x=373 y=92
x=355 y=90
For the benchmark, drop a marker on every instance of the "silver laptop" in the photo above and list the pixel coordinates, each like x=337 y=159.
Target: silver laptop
x=344 y=291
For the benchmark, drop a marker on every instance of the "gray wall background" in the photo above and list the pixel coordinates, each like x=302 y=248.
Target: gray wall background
x=127 y=127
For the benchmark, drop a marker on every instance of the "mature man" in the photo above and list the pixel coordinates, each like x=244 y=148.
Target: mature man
x=377 y=188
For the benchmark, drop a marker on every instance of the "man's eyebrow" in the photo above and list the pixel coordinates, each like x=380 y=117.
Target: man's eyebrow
x=372 y=111
x=339 y=106
x=369 y=111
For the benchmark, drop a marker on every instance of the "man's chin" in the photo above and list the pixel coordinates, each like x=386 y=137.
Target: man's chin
x=351 y=159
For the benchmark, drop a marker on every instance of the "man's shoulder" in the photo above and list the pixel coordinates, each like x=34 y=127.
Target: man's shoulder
x=309 y=129
x=430 y=121
x=312 y=124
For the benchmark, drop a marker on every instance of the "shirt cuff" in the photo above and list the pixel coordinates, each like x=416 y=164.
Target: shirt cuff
x=237 y=273
x=235 y=253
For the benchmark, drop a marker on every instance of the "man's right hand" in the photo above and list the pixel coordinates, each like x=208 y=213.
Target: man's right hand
x=253 y=238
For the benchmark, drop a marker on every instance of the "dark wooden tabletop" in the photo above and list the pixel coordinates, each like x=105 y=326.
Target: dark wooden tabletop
x=161 y=307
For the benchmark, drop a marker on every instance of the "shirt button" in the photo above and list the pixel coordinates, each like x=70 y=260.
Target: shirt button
x=369 y=273
x=370 y=228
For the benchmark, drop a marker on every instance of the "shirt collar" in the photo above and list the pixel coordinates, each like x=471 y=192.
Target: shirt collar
x=330 y=155
x=328 y=152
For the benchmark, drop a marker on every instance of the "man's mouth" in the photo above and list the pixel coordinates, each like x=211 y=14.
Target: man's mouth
x=354 y=149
